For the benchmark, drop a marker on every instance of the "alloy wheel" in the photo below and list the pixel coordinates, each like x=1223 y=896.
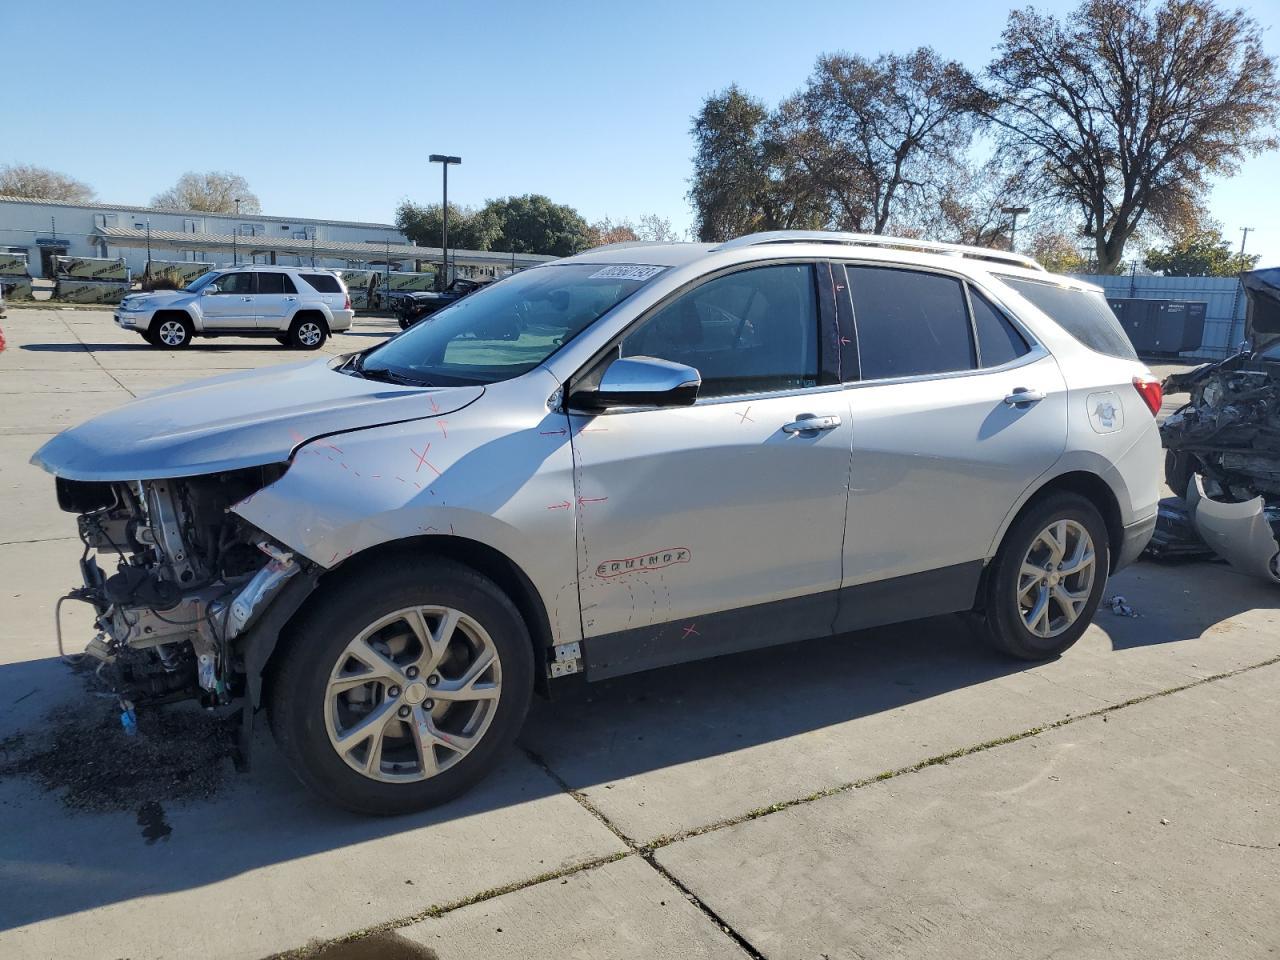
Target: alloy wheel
x=1056 y=578
x=412 y=694
x=310 y=334
x=172 y=333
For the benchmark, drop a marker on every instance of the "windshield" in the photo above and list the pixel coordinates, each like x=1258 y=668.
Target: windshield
x=507 y=328
x=202 y=281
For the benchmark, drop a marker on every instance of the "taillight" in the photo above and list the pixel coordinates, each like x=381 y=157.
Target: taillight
x=347 y=303
x=1151 y=392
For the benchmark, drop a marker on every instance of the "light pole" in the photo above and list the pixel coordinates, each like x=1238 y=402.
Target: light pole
x=1013 y=227
x=1244 y=235
x=235 y=232
x=444 y=160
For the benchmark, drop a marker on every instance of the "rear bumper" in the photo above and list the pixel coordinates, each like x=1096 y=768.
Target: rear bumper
x=341 y=320
x=1134 y=541
x=1240 y=533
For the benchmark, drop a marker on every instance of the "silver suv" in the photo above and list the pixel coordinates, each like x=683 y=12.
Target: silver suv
x=297 y=306
x=636 y=457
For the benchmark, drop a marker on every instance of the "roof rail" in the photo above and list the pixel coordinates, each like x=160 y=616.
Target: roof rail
x=877 y=240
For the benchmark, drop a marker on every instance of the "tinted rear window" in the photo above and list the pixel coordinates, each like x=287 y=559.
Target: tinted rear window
x=275 y=283
x=322 y=282
x=1082 y=313
x=909 y=323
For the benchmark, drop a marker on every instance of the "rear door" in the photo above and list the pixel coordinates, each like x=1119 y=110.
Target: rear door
x=229 y=303
x=716 y=527
x=956 y=412
x=277 y=299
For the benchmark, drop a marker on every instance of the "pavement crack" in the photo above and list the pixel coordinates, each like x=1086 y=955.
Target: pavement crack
x=94 y=357
x=743 y=943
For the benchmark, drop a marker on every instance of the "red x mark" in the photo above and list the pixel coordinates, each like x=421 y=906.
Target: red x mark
x=744 y=417
x=422 y=458
x=435 y=407
x=442 y=428
x=689 y=631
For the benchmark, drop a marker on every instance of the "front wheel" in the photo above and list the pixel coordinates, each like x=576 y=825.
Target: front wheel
x=1048 y=578
x=399 y=688
x=171 y=332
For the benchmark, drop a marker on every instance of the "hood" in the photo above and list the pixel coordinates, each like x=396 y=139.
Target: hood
x=1262 y=323
x=244 y=419
x=159 y=298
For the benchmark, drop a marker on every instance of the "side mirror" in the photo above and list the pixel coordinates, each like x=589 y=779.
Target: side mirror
x=642 y=382
x=210 y=289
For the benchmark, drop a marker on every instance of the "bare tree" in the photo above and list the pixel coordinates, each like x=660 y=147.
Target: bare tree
x=1123 y=109
x=213 y=192
x=28 y=180
x=656 y=228
x=612 y=231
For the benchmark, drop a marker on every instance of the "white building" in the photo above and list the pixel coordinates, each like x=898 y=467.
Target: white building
x=43 y=229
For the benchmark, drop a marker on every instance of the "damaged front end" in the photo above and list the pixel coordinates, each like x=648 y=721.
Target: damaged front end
x=1224 y=444
x=177 y=580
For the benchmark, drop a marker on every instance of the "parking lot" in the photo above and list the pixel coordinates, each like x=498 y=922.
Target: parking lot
x=900 y=792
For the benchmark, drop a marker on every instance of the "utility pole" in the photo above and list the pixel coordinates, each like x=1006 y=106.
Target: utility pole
x=1244 y=235
x=1013 y=227
x=444 y=160
x=148 y=244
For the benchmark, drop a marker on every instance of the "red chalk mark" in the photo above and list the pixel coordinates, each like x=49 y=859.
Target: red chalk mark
x=417 y=484
x=562 y=505
x=435 y=407
x=333 y=446
x=743 y=418
x=552 y=433
x=429 y=529
x=296 y=436
x=345 y=467
x=401 y=479
x=442 y=428
x=582 y=500
x=689 y=631
x=422 y=459
x=375 y=476
x=451 y=528
x=845 y=341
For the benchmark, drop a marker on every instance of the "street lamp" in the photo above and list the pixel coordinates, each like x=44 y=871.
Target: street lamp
x=444 y=160
x=1013 y=228
x=1244 y=235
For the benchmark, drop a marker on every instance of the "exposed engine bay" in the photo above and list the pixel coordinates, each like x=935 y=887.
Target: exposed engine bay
x=1224 y=444
x=175 y=578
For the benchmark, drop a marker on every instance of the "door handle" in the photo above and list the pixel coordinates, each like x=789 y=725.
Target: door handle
x=811 y=423
x=1022 y=395
x=247 y=299
x=290 y=299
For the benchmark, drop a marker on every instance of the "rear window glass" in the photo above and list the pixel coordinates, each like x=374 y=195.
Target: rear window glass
x=909 y=323
x=323 y=282
x=1082 y=313
x=998 y=340
x=275 y=283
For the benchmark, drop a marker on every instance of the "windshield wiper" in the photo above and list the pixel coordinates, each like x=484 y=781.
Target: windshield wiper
x=390 y=376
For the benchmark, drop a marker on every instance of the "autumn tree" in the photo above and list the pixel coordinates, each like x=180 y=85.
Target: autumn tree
x=1199 y=253
x=650 y=227
x=612 y=231
x=1123 y=109
x=1058 y=252
x=213 y=192
x=28 y=180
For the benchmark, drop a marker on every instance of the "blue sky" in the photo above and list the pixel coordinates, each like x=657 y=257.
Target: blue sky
x=330 y=109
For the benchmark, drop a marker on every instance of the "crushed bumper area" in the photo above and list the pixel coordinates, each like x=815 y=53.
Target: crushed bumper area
x=1243 y=533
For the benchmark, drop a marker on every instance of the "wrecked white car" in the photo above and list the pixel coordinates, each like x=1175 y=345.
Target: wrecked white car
x=639 y=456
x=1224 y=444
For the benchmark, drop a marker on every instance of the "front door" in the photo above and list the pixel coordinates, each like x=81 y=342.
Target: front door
x=228 y=303
x=715 y=527
x=941 y=450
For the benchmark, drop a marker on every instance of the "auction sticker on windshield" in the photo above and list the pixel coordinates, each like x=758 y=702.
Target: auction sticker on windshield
x=630 y=272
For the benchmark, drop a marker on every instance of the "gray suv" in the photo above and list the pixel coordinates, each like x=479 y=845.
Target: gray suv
x=631 y=458
x=297 y=306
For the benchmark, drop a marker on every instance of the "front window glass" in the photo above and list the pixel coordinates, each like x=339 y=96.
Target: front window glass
x=508 y=328
x=753 y=331
x=234 y=283
x=202 y=281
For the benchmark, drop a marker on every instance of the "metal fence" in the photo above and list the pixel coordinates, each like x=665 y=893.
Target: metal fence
x=1224 y=313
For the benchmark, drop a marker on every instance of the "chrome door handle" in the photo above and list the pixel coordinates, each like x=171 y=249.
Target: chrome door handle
x=1022 y=395
x=809 y=423
x=247 y=299
x=290 y=299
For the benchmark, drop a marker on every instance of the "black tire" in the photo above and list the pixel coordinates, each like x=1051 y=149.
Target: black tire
x=164 y=328
x=404 y=323
x=283 y=339
x=1001 y=621
x=317 y=640
x=1178 y=469
x=302 y=330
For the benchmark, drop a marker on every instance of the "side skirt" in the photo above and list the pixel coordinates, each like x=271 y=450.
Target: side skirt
x=913 y=597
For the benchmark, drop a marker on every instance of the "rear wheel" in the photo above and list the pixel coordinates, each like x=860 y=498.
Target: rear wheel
x=1047 y=579
x=307 y=332
x=399 y=689
x=171 y=331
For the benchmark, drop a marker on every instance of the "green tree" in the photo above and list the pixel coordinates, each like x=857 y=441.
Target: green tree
x=534 y=224
x=28 y=180
x=1199 y=253
x=1124 y=108
x=1058 y=252
x=469 y=229
x=214 y=192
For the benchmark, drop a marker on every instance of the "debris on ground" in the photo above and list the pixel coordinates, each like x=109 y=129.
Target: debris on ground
x=1120 y=607
x=178 y=753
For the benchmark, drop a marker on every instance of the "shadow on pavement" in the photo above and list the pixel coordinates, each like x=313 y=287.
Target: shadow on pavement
x=57 y=862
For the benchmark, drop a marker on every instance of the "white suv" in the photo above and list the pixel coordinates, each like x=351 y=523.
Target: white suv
x=297 y=306
x=635 y=457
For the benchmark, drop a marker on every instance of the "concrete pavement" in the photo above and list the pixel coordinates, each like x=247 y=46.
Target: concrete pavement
x=766 y=804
